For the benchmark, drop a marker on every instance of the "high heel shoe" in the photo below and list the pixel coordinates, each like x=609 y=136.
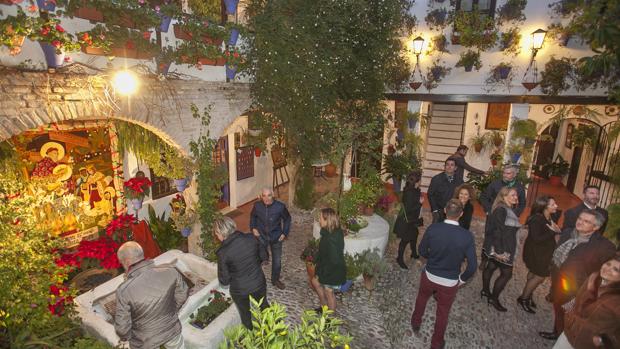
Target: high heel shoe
x=531 y=303
x=496 y=304
x=525 y=305
x=401 y=263
x=484 y=293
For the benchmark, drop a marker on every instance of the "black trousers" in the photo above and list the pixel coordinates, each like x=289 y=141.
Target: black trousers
x=243 y=305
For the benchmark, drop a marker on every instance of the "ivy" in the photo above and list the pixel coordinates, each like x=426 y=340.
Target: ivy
x=210 y=178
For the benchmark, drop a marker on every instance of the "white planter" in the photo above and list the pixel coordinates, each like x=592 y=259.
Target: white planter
x=97 y=321
x=376 y=234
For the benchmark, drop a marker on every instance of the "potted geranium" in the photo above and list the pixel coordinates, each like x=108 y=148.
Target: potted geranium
x=469 y=59
x=435 y=74
x=95 y=41
x=372 y=265
x=14 y=29
x=136 y=189
x=308 y=256
x=218 y=303
x=557 y=170
x=496 y=138
x=233 y=60
x=54 y=41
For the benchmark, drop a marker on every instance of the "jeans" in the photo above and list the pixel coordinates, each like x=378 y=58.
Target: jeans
x=276 y=257
x=445 y=297
x=243 y=305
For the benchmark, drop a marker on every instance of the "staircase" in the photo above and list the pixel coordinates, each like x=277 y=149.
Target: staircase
x=444 y=136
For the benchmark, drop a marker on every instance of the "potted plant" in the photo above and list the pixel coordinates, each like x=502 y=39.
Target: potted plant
x=308 y=256
x=372 y=265
x=367 y=191
x=585 y=136
x=554 y=78
x=500 y=75
x=180 y=169
x=166 y=10
x=234 y=30
x=502 y=70
x=435 y=74
x=85 y=9
x=475 y=29
x=511 y=11
x=496 y=138
x=496 y=157
x=218 y=303
x=397 y=166
x=478 y=142
x=95 y=41
x=136 y=189
x=184 y=220
x=560 y=33
x=437 y=18
x=440 y=43
x=231 y=6
x=557 y=170
x=14 y=29
x=54 y=41
x=233 y=61
x=469 y=60
x=509 y=41
x=198 y=53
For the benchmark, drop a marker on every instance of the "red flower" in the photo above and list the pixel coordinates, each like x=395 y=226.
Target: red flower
x=146 y=35
x=129 y=45
x=55 y=290
x=59 y=28
x=32 y=8
x=56 y=43
x=45 y=30
x=236 y=54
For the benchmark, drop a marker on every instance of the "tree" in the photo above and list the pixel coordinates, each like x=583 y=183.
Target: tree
x=320 y=66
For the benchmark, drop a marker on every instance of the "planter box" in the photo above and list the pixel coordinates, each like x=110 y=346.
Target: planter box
x=181 y=33
x=212 y=41
x=207 y=61
x=124 y=52
x=96 y=51
x=144 y=55
x=94 y=307
x=221 y=61
x=89 y=13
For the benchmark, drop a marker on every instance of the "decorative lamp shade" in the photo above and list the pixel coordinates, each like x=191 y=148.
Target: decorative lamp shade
x=417 y=45
x=538 y=38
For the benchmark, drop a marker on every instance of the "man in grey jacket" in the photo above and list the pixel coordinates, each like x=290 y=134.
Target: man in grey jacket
x=148 y=302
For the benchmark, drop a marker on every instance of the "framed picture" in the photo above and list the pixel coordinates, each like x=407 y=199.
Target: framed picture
x=497 y=116
x=568 y=143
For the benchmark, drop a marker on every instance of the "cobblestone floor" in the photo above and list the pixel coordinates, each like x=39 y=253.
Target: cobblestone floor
x=380 y=319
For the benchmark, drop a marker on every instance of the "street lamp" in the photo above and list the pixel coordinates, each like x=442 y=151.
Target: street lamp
x=538 y=38
x=418 y=43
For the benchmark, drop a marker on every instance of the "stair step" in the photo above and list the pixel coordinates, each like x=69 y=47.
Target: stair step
x=446 y=120
x=449 y=145
x=446 y=127
x=437 y=156
x=449 y=107
x=444 y=134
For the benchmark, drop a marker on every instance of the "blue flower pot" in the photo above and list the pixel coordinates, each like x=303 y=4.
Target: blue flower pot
x=181 y=184
x=226 y=193
x=52 y=59
x=234 y=36
x=231 y=72
x=164 y=25
x=346 y=286
x=231 y=6
x=515 y=157
x=46 y=5
x=186 y=231
x=411 y=122
x=399 y=135
x=503 y=72
x=136 y=204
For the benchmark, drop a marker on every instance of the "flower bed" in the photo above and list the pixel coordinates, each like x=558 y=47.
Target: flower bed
x=218 y=303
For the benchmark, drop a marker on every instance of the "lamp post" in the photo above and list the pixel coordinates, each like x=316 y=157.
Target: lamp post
x=538 y=39
x=418 y=44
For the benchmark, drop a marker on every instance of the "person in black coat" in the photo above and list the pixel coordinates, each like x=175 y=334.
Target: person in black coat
x=441 y=189
x=461 y=164
x=239 y=260
x=509 y=179
x=406 y=225
x=500 y=245
x=465 y=193
x=538 y=248
x=591 y=197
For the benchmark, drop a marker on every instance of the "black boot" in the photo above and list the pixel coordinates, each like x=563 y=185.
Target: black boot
x=401 y=263
x=401 y=252
x=496 y=304
x=525 y=305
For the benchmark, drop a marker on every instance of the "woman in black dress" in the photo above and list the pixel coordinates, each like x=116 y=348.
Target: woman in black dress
x=538 y=248
x=500 y=245
x=406 y=225
x=465 y=193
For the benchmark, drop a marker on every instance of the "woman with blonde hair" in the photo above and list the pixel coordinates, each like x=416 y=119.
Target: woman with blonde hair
x=331 y=271
x=465 y=193
x=500 y=245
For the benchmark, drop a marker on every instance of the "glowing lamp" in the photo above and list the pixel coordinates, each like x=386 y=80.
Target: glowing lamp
x=417 y=45
x=125 y=82
x=538 y=39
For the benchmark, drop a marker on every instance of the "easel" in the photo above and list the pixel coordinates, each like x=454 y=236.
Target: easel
x=279 y=163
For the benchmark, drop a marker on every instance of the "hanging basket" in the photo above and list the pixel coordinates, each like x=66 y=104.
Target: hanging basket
x=136 y=203
x=53 y=59
x=503 y=72
x=415 y=85
x=231 y=6
x=529 y=85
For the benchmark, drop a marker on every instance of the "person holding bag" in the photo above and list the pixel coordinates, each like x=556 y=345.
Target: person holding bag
x=406 y=225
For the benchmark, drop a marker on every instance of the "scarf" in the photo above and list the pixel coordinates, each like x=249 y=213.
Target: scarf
x=510 y=184
x=511 y=218
x=561 y=252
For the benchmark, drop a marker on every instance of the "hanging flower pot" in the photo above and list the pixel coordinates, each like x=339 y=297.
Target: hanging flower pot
x=411 y=123
x=529 y=85
x=164 y=25
x=186 y=231
x=231 y=6
x=53 y=59
x=181 y=184
x=231 y=72
x=234 y=36
x=257 y=151
x=47 y=5
x=503 y=72
x=469 y=67
x=137 y=203
x=415 y=85
x=478 y=147
x=515 y=157
x=89 y=13
x=436 y=72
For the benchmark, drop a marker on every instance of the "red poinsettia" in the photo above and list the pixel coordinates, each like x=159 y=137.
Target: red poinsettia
x=137 y=188
x=118 y=228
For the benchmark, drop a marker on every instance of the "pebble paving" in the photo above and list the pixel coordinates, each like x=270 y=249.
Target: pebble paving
x=381 y=318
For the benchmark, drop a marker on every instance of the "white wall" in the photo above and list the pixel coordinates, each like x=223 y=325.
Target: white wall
x=475 y=119
x=461 y=82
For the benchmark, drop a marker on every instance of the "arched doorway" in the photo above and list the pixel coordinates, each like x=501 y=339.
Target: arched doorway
x=602 y=168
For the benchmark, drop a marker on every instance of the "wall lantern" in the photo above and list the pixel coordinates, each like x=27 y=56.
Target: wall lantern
x=530 y=78
x=418 y=44
x=125 y=82
x=538 y=39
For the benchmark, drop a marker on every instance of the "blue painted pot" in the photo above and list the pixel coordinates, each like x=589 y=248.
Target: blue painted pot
x=231 y=72
x=181 y=184
x=136 y=204
x=46 y=5
x=52 y=59
x=164 y=25
x=346 y=286
x=186 y=231
x=231 y=6
x=234 y=36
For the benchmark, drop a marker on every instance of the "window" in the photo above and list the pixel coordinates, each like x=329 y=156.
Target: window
x=484 y=6
x=245 y=162
x=162 y=186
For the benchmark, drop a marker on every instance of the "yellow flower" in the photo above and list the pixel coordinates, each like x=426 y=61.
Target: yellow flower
x=346 y=346
x=283 y=333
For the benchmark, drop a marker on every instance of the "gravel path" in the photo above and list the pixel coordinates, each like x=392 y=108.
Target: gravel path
x=380 y=319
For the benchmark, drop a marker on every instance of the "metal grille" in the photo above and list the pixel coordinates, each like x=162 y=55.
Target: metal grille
x=603 y=167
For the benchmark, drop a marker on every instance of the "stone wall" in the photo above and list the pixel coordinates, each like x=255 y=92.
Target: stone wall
x=29 y=100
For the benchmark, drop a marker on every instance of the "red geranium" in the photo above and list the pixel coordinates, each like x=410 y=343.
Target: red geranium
x=59 y=28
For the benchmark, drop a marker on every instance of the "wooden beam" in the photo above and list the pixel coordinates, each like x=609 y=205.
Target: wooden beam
x=534 y=99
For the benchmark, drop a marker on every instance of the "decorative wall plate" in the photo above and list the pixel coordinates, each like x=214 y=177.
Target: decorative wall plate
x=549 y=108
x=611 y=110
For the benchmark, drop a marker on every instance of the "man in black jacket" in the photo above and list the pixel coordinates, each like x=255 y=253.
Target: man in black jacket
x=442 y=188
x=445 y=246
x=270 y=221
x=591 y=197
x=461 y=164
x=509 y=179
x=239 y=261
